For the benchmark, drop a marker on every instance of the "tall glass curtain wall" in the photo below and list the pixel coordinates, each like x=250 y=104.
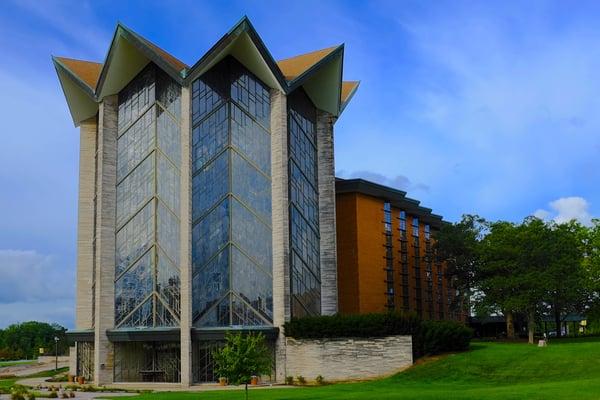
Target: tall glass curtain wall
x=305 y=273
x=232 y=282
x=147 y=283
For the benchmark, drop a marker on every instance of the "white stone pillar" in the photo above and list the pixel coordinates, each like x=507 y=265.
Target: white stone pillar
x=105 y=239
x=186 y=239
x=280 y=221
x=328 y=248
x=85 y=224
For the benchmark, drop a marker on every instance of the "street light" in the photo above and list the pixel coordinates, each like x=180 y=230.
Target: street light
x=56 y=339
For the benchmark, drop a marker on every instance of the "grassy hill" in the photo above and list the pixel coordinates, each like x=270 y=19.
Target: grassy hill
x=567 y=369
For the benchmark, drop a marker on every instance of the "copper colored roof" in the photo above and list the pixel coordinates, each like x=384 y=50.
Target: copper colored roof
x=347 y=88
x=293 y=67
x=87 y=71
x=173 y=61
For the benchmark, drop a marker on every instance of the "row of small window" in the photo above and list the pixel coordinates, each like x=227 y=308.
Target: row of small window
x=387 y=213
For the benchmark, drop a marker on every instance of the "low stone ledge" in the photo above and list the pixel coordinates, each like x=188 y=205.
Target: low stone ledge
x=339 y=359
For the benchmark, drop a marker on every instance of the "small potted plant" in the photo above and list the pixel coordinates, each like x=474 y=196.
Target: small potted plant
x=222 y=381
x=254 y=380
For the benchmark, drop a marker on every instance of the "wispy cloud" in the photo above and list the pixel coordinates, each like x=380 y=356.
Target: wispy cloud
x=567 y=209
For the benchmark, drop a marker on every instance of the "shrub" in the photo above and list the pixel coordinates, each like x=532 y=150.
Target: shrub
x=30 y=396
x=320 y=380
x=289 y=380
x=301 y=380
x=429 y=337
x=52 y=395
x=435 y=337
x=365 y=325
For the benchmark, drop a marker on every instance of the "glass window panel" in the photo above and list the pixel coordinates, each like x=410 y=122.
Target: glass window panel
x=210 y=137
x=216 y=316
x=168 y=92
x=251 y=139
x=208 y=92
x=164 y=316
x=210 y=234
x=133 y=286
x=168 y=233
x=135 y=238
x=168 y=183
x=168 y=135
x=210 y=284
x=252 y=284
x=252 y=236
x=303 y=195
x=140 y=318
x=210 y=185
x=252 y=187
x=135 y=144
x=168 y=283
x=305 y=241
x=136 y=189
x=251 y=94
x=302 y=151
x=136 y=97
x=305 y=289
x=244 y=315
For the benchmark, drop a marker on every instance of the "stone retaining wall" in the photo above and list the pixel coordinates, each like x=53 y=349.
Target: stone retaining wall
x=347 y=358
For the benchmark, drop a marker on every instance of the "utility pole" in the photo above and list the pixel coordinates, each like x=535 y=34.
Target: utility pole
x=56 y=339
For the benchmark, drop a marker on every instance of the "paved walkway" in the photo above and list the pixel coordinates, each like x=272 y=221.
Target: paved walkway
x=29 y=369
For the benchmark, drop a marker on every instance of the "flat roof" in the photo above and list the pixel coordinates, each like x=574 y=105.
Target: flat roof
x=396 y=197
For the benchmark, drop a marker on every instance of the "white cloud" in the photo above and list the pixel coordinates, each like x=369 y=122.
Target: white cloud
x=567 y=209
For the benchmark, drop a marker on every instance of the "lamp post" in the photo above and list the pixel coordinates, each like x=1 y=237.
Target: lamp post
x=56 y=339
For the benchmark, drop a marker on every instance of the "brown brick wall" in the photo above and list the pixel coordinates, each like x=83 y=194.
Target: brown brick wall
x=361 y=242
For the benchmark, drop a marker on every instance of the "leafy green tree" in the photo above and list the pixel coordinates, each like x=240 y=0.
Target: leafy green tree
x=514 y=259
x=565 y=278
x=24 y=340
x=457 y=245
x=242 y=357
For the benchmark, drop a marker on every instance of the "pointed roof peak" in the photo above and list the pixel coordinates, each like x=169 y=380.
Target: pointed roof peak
x=293 y=67
x=87 y=71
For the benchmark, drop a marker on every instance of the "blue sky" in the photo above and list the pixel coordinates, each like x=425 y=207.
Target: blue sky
x=471 y=107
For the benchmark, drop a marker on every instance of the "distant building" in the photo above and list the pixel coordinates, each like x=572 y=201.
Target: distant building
x=385 y=253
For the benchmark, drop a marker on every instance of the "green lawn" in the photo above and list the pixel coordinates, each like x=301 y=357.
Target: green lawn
x=12 y=363
x=567 y=369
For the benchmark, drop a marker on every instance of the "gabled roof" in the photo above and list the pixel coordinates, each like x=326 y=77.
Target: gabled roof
x=293 y=67
x=318 y=72
x=87 y=71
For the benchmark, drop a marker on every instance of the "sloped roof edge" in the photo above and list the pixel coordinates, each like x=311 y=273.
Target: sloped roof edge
x=243 y=25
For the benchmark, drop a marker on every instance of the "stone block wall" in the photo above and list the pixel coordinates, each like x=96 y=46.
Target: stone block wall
x=341 y=359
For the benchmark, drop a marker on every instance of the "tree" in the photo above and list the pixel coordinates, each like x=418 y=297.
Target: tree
x=242 y=357
x=565 y=277
x=24 y=340
x=514 y=259
x=457 y=245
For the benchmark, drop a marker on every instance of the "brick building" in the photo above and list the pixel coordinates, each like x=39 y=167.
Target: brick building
x=385 y=253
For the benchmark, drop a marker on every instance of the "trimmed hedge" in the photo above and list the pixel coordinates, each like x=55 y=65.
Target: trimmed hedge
x=435 y=337
x=364 y=325
x=429 y=337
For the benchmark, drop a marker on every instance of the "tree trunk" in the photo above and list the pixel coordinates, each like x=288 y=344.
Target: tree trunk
x=246 y=390
x=531 y=325
x=557 y=319
x=510 y=325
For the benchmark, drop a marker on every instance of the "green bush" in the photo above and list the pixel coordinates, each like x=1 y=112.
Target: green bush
x=429 y=337
x=435 y=337
x=320 y=380
x=301 y=380
x=365 y=325
x=289 y=380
